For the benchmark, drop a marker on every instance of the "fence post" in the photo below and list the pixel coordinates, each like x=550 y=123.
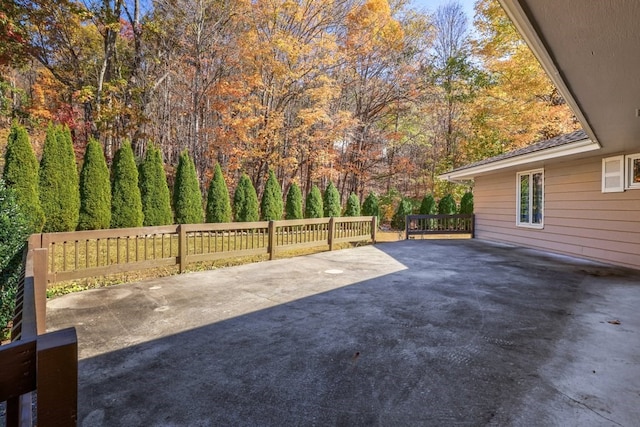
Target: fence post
x=40 y=264
x=182 y=248
x=57 y=381
x=374 y=228
x=332 y=229
x=272 y=240
x=473 y=226
x=406 y=227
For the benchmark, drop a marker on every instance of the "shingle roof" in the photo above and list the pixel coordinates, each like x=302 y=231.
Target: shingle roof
x=538 y=146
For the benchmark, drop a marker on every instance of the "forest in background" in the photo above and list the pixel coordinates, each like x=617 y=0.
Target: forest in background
x=373 y=96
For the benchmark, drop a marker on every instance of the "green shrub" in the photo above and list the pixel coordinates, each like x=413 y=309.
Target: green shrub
x=428 y=205
x=126 y=203
x=245 y=201
x=218 y=202
x=21 y=174
x=370 y=206
x=466 y=203
x=95 y=190
x=331 y=201
x=14 y=231
x=154 y=191
x=399 y=218
x=59 y=182
x=271 y=204
x=447 y=205
x=353 y=206
x=293 y=206
x=187 y=198
x=313 y=204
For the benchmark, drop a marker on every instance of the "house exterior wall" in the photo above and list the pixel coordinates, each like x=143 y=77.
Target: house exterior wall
x=579 y=219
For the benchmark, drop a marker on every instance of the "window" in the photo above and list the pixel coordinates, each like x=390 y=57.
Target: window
x=530 y=198
x=632 y=174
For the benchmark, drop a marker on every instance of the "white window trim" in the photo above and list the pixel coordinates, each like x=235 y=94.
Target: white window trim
x=619 y=175
x=529 y=224
x=628 y=171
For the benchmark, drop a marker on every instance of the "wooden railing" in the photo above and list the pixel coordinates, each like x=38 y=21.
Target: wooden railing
x=36 y=361
x=80 y=254
x=47 y=363
x=417 y=225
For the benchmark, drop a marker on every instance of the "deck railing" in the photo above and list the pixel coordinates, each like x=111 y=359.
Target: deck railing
x=416 y=225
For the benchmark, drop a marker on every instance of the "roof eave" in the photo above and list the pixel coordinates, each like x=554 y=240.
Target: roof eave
x=573 y=148
x=530 y=35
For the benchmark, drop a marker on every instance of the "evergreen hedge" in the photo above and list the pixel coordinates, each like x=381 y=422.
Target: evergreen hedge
x=331 y=201
x=14 y=231
x=187 y=198
x=154 y=191
x=466 y=203
x=95 y=190
x=313 y=204
x=353 y=206
x=271 y=204
x=447 y=205
x=428 y=205
x=218 y=202
x=371 y=206
x=126 y=203
x=293 y=207
x=245 y=201
x=405 y=207
x=21 y=174
x=59 y=182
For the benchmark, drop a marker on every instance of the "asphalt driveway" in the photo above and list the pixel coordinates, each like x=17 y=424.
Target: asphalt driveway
x=420 y=333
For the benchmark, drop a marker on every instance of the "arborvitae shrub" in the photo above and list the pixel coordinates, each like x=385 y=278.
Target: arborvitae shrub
x=293 y=206
x=126 y=203
x=218 y=202
x=466 y=203
x=271 y=203
x=353 y=206
x=187 y=199
x=245 y=201
x=313 y=204
x=447 y=205
x=370 y=206
x=428 y=205
x=59 y=183
x=405 y=208
x=331 y=201
x=154 y=191
x=95 y=190
x=14 y=231
x=21 y=174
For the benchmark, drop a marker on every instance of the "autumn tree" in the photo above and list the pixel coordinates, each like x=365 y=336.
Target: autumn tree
x=126 y=202
x=313 y=204
x=187 y=198
x=245 y=201
x=353 y=206
x=271 y=204
x=293 y=208
x=59 y=182
x=21 y=174
x=95 y=190
x=154 y=191
x=218 y=202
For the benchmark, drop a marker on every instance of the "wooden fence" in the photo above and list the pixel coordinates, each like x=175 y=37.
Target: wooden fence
x=47 y=363
x=417 y=225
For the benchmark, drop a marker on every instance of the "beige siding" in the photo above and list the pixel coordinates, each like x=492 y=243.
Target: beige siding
x=578 y=218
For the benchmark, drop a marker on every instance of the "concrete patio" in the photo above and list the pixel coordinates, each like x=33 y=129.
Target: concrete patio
x=420 y=332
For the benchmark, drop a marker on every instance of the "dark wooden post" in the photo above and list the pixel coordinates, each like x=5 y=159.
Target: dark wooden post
x=332 y=230
x=182 y=248
x=406 y=227
x=374 y=228
x=40 y=263
x=57 y=381
x=271 y=245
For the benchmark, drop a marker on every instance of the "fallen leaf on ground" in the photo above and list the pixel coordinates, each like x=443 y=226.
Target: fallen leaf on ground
x=614 y=322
